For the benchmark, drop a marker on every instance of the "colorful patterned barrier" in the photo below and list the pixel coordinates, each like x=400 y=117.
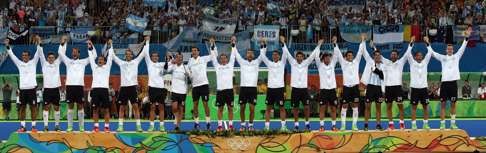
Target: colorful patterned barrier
x=374 y=141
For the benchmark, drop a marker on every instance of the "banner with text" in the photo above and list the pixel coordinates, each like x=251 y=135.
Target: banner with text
x=459 y=32
x=14 y=35
x=79 y=35
x=388 y=34
x=47 y=33
x=352 y=33
x=155 y=3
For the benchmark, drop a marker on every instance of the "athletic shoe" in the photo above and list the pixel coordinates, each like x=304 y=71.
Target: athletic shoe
x=95 y=130
x=334 y=128
x=354 y=127
x=107 y=130
x=57 y=128
x=250 y=128
x=34 y=130
x=343 y=127
x=307 y=127
x=454 y=126
x=208 y=126
x=283 y=129
x=139 y=128
x=69 y=128
x=426 y=127
x=296 y=128
x=391 y=127
x=219 y=129
x=119 y=129
x=151 y=128
x=321 y=129
x=21 y=129
x=162 y=128
x=414 y=126
x=378 y=127
x=81 y=128
x=442 y=126
x=402 y=126
x=242 y=128
x=46 y=129
x=266 y=128
x=196 y=126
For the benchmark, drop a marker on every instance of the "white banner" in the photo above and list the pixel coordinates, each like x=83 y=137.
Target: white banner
x=267 y=32
x=13 y=35
x=222 y=31
x=388 y=34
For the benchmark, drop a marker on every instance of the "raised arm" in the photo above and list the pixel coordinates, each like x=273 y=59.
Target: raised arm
x=405 y=55
x=337 y=51
x=214 y=54
x=14 y=58
x=427 y=57
x=461 y=50
x=42 y=57
x=436 y=55
x=111 y=53
x=366 y=55
x=263 y=55
x=314 y=53
x=238 y=57
x=290 y=58
x=92 y=56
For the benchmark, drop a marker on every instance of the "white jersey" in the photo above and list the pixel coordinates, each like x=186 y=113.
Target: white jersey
x=129 y=69
x=27 y=70
x=450 y=63
x=224 y=73
x=327 y=76
x=198 y=68
x=155 y=69
x=50 y=72
x=299 y=71
x=249 y=70
x=276 y=70
x=101 y=74
x=350 y=68
x=394 y=70
x=418 y=71
x=179 y=78
x=74 y=69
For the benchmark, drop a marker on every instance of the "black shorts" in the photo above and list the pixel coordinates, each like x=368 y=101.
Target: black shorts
x=328 y=97
x=448 y=91
x=350 y=94
x=200 y=92
x=27 y=96
x=51 y=96
x=179 y=98
x=393 y=93
x=126 y=94
x=419 y=95
x=100 y=98
x=74 y=94
x=225 y=97
x=248 y=95
x=299 y=95
x=7 y=105
x=275 y=95
x=374 y=94
x=157 y=95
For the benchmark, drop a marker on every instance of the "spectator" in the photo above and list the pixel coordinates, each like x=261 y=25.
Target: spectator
x=7 y=95
x=466 y=90
x=482 y=91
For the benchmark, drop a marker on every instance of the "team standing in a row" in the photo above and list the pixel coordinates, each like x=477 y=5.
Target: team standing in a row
x=382 y=77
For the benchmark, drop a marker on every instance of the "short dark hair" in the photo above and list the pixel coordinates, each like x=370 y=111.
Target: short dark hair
x=348 y=52
x=416 y=53
x=299 y=53
x=26 y=51
x=51 y=53
x=194 y=47
x=394 y=50
x=276 y=51
x=324 y=55
x=376 y=52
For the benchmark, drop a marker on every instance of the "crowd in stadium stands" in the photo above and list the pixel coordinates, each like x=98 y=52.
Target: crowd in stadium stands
x=308 y=17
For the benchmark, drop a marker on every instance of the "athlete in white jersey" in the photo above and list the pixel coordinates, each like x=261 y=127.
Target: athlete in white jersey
x=224 y=82
x=27 y=83
x=52 y=82
x=276 y=85
x=450 y=75
x=326 y=64
x=350 y=68
x=180 y=76
x=200 y=86
x=418 y=83
x=249 y=69
x=128 y=86
x=100 y=83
